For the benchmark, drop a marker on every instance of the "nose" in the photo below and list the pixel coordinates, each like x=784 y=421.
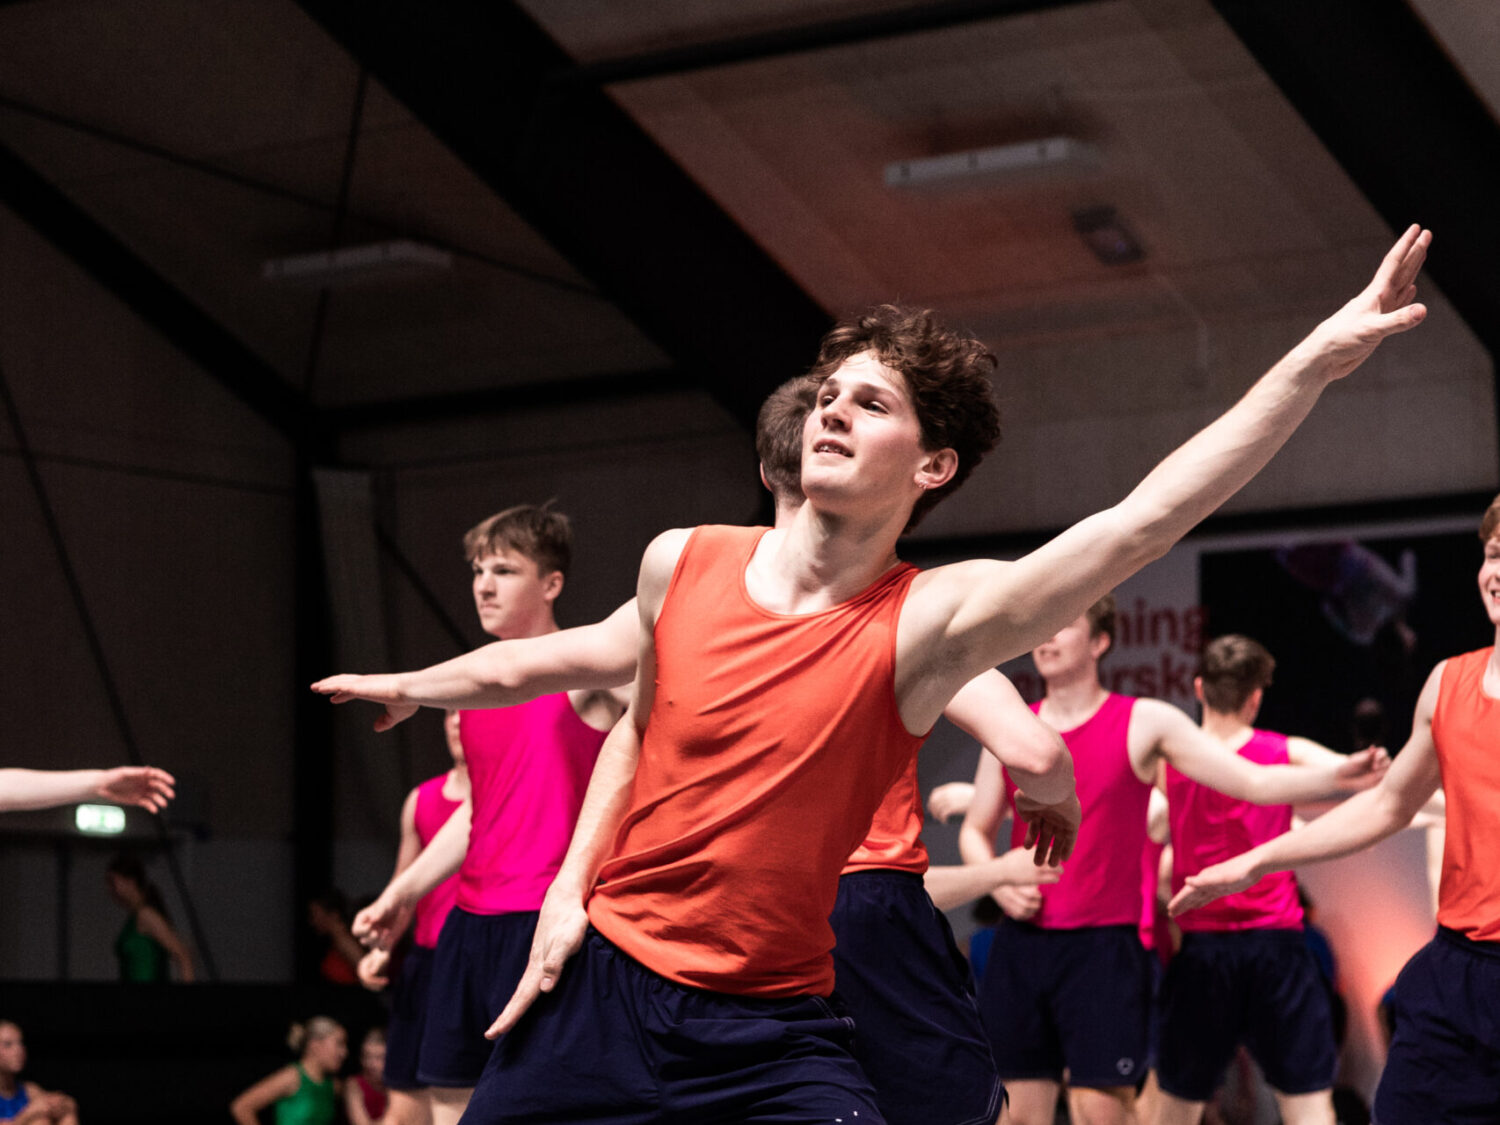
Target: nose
x=833 y=412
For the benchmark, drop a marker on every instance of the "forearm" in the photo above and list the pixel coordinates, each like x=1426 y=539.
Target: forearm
x=1364 y=819
x=976 y=844
x=22 y=789
x=604 y=806
x=950 y=887
x=443 y=855
x=1050 y=787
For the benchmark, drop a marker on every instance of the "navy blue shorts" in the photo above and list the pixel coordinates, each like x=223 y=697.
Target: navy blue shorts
x=616 y=1043
x=1079 y=999
x=1261 y=988
x=917 y=1031
x=1444 y=1062
x=403 y=1034
x=477 y=964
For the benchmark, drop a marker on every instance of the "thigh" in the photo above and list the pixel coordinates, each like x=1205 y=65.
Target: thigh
x=917 y=1031
x=1200 y=1019
x=1444 y=1061
x=1015 y=1003
x=1290 y=1024
x=477 y=964
x=1102 y=1007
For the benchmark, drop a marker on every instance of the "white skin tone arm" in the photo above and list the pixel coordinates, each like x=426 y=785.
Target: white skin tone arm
x=373 y=965
x=562 y=921
x=503 y=673
x=382 y=923
x=268 y=1091
x=1159 y=731
x=146 y=786
x=354 y=1104
x=989 y=709
x=962 y=619
x=976 y=841
x=1362 y=820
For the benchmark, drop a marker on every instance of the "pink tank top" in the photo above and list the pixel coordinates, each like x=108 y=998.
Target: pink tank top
x=432 y=812
x=1208 y=826
x=528 y=768
x=1101 y=882
x=1155 y=928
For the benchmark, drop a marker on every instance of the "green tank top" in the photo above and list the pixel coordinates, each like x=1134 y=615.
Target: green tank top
x=142 y=957
x=314 y=1103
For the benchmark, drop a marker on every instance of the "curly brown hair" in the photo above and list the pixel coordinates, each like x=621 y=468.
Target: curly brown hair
x=947 y=375
x=1231 y=668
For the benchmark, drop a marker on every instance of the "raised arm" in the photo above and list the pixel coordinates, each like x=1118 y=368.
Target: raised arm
x=971 y=616
x=146 y=786
x=1161 y=730
x=1362 y=820
x=989 y=708
x=563 y=919
x=503 y=673
x=382 y=923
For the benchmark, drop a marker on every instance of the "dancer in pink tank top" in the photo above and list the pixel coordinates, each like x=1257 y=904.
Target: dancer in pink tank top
x=1068 y=984
x=425 y=810
x=528 y=768
x=1244 y=973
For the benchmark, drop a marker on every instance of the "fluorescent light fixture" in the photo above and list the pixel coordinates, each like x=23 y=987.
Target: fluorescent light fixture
x=376 y=261
x=1025 y=156
x=100 y=820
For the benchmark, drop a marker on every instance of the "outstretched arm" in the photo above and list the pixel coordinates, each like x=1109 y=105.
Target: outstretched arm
x=1360 y=821
x=1160 y=728
x=990 y=709
x=964 y=618
x=503 y=673
x=146 y=786
x=563 y=919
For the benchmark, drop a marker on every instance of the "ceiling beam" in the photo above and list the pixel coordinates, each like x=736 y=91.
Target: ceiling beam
x=188 y=328
x=581 y=172
x=825 y=34
x=1385 y=99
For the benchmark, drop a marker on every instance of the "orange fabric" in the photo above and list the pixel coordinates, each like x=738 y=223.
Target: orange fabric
x=894 y=842
x=771 y=743
x=1465 y=724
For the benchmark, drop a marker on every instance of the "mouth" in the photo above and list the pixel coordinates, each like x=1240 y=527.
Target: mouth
x=828 y=445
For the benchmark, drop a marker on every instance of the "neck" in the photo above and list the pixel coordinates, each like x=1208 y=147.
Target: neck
x=313 y=1070
x=458 y=779
x=819 y=560
x=539 y=626
x=1073 y=697
x=7 y=1085
x=1223 y=725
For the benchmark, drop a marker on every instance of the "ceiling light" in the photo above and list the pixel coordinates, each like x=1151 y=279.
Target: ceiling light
x=1025 y=156
x=377 y=261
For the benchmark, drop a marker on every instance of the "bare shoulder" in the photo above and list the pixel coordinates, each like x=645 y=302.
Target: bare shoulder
x=1427 y=701
x=658 y=563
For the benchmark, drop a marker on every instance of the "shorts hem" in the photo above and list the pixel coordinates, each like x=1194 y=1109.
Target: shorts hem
x=447 y=1082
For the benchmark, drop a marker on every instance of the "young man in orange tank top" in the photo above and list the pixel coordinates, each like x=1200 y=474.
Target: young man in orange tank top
x=904 y=413
x=1444 y=1061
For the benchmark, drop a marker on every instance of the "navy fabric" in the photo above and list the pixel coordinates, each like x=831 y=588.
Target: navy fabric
x=616 y=1043
x=477 y=964
x=917 y=1031
x=403 y=1034
x=1444 y=1062
x=1079 y=999
x=1262 y=988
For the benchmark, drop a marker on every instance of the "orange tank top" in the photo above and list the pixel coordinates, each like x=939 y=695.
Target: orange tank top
x=770 y=744
x=1466 y=732
x=894 y=842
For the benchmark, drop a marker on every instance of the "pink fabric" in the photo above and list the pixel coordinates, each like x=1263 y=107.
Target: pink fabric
x=1208 y=827
x=432 y=812
x=528 y=768
x=1101 y=882
x=1156 y=933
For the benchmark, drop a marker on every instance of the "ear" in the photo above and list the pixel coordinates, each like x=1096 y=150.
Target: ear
x=764 y=481
x=1198 y=688
x=1099 y=644
x=937 y=469
x=552 y=585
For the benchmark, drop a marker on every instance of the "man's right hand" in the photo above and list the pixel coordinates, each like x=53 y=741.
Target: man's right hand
x=381 y=924
x=1020 y=903
x=375 y=689
x=1051 y=829
x=560 y=929
x=374 y=969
